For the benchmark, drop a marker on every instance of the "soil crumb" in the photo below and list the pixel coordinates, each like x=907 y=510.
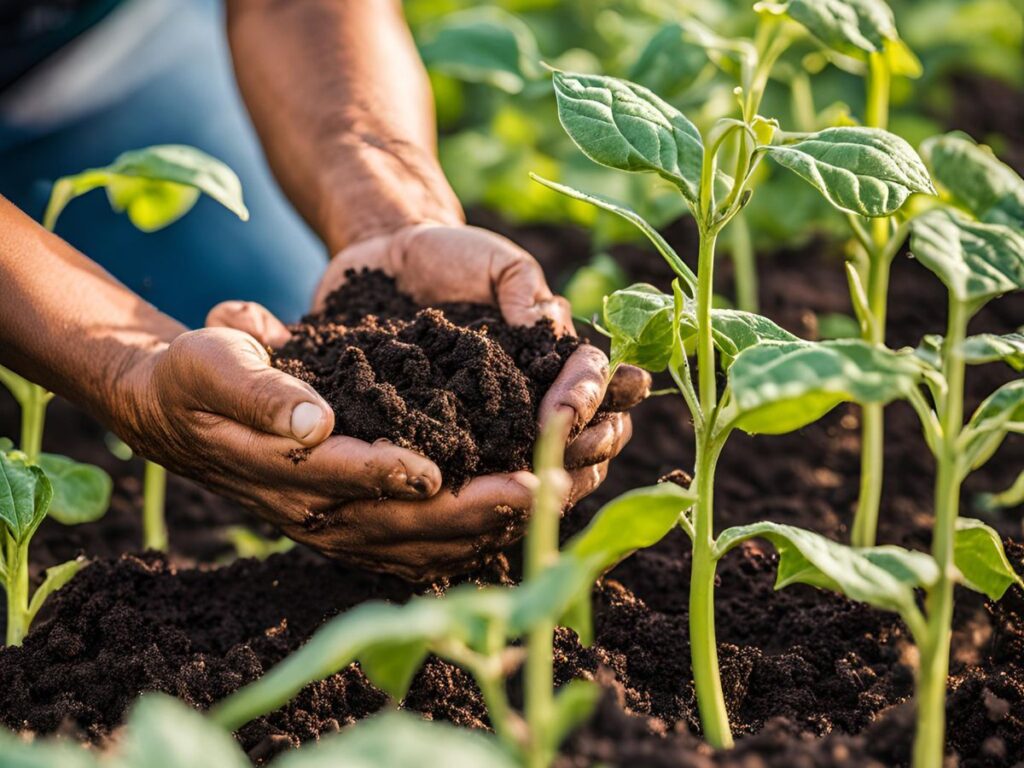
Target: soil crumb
x=453 y=382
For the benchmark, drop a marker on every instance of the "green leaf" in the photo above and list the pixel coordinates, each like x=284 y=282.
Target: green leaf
x=778 y=387
x=163 y=732
x=56 y=577
x=593 y=281
x=81 y=492
x=625 y=126
x=639 y=319
x=156 y=185
x=865 y=171
x=847 y=26
x=1011 y=497
x=483 y=45
x=635 y=520
x=975 y=179
x=979 y=555
x=400 y=740
x=187 y=166
x=392 y=666
x=670 y=61
x=977 y=350
x=43 y=753
x=884 y=577
x=574 y=702
x=975 y=261
x=734 y=331
x=25 y=494
x=1000 y=413
x=634 y=218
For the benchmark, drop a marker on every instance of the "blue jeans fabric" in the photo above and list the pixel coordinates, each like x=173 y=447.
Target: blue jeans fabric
x=186 y=96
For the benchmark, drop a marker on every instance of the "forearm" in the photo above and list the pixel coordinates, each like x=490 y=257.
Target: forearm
x=68 y=325
x=343 y=107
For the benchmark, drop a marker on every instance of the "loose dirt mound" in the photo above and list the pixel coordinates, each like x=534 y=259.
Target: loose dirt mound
x=455 y=383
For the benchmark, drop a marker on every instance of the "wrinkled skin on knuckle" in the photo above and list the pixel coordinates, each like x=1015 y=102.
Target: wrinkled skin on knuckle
x=628 y=387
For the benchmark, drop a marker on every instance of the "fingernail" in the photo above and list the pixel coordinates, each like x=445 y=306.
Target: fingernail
x=305 y=419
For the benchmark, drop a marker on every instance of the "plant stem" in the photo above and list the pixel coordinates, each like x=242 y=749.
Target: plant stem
x=33 y=418
x=930 y=737
x=703 y=646
x=154 y=524
x=707 y=387
x=872 y=452
x=744 y=265
x=876 y=112
x=17 y=591
x=541 y=553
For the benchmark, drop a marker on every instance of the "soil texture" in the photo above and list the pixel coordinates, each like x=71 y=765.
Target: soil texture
x=454 y=382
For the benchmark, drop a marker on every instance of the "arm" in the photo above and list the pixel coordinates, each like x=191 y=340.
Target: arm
x=343 y=107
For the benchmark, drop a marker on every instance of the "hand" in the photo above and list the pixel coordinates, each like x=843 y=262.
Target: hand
x=435 y=263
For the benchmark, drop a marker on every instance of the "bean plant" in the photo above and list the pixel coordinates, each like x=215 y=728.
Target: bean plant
x=475 y=628
x=162 y=732
x=155 y=187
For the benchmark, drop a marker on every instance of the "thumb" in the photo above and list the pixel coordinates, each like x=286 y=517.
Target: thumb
x=228 y=372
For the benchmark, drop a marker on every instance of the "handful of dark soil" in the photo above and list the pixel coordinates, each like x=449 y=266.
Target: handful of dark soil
x=453 y=382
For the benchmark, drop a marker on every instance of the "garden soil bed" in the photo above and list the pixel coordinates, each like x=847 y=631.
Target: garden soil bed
x=811 y=679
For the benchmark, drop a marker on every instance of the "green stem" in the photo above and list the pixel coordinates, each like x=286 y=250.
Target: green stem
x=17 y=591
x=930 y=736
x=541 y=553
x=703 y=646
x=154 y=523
x=706 y=385
x=872 y=452
x=33 y=418
x=744 y=265
x=805 y=115
x=876 y=112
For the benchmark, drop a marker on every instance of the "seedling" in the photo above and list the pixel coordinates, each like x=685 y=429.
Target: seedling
x=776 y=382
x=155 y=187
x=474 y=627
x=162 y=731
x=25 y=498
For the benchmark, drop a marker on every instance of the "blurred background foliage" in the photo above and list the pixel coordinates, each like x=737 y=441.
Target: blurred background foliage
x=498 y=119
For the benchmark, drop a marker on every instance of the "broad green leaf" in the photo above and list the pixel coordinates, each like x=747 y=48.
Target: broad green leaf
x=25 y=494
x=625 y=126
x=56 y=577
x=865 y=171
x=483 y=45
x=634 y=218
x=15 y=752
x=574 y=702
x=1000 y=413
x=978 y=350
x=1011 y=497
x=735 y=331
x=81 y=492
x=670 y=61
x=884 y=577
x=974 y=178
x=155 y=185
x=639 y=319
x=778 y=387
x=979 y=555
x=163 y=732
x=400 y=740
x=635 y=520
x=392 y=666
x=975 y=261
x=847 y=26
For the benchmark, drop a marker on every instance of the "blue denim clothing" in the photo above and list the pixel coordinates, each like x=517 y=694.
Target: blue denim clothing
x=155 y=72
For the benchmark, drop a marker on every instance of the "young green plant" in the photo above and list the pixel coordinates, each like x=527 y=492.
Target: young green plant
x=776 y=382
x=155 y=187
x=473 y=627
